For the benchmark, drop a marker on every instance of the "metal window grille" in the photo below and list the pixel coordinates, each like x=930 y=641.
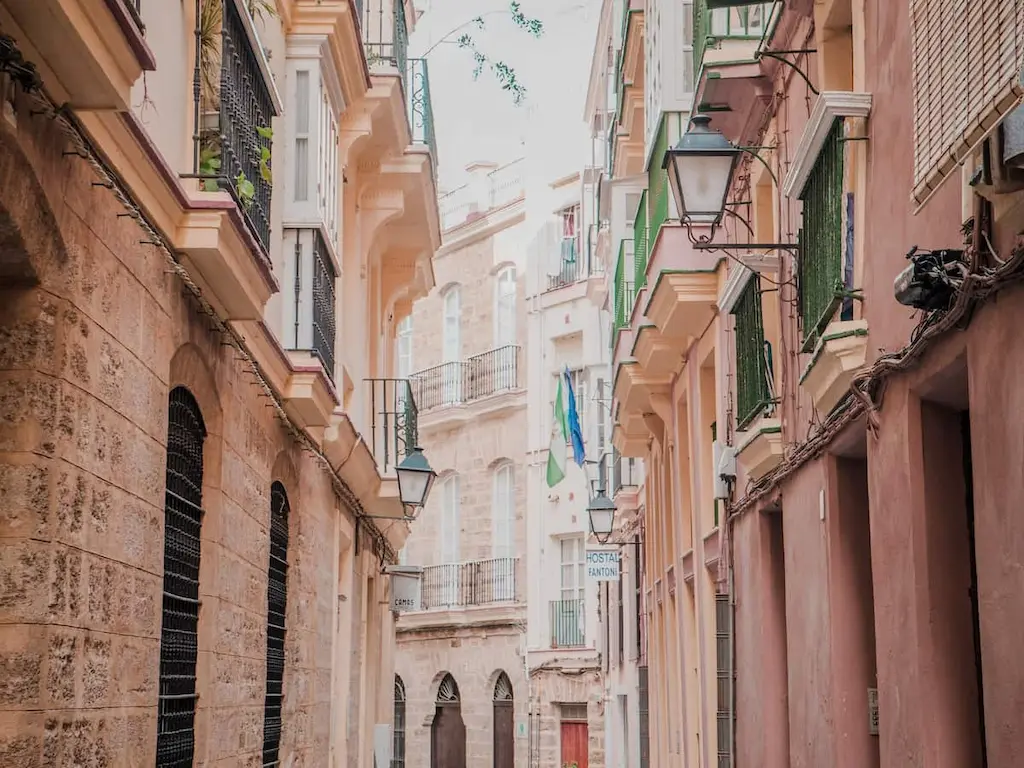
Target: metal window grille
x=245 y=105
x=277 y=598
x=567 y=623
x=503 y=688
x=398 y=735
x=645 y=717
x=821 y=253
x=723 y=648
x=657 y=182
x=573 y=712
x=324 y=323
x=448 y=691
x=183 y=517
x=752 y=391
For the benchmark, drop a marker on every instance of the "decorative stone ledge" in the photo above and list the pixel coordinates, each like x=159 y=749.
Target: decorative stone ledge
x=688 y=566
x=829 y=106
x=682 y=302
x=656 y=354
x=760 y=447
x=839 y=354
x=712 y=548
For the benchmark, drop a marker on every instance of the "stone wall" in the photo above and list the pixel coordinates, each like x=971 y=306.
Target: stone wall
x=91 y=342
x=552 y=688
x=474 y=657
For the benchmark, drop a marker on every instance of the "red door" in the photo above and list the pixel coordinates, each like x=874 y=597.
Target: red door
x=574 y=745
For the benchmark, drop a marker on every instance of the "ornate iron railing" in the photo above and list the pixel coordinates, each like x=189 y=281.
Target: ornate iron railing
x=234 y=154
x=464 y=381
x=477 y=582
x=752 y=390
x=385 y=35
x=324 y=306
x=421 y=108
x=567 y=623
x=394 y=421
x=821 y=253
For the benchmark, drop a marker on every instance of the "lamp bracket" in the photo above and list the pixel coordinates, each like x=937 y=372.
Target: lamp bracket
x=779 y=56
x=709 y=246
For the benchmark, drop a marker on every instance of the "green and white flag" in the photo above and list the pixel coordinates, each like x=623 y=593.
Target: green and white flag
x=557 y=453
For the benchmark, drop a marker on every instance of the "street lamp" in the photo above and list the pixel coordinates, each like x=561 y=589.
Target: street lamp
x=700 y=169
x=415 y=479
x=602 y=516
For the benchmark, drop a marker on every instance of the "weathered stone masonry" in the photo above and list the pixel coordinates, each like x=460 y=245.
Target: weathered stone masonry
x=94 y=333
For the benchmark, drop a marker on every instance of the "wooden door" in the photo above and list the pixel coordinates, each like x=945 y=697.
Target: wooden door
x=574 y=744
x=504 y=735
x=448 y=737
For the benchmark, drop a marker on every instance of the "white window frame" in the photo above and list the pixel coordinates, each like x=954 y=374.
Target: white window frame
x=505 y=307
x=403 y=348
x=572 y=563
x=452 y=324
x=449 y=540
x=503 y=512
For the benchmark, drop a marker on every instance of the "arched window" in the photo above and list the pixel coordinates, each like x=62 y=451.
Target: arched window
x=398 y=736
x=502 y=566
x=505 y=308
x=448 y=691
x=183 y=519
x=277 y=599
x=504 y=723
x=450 y=532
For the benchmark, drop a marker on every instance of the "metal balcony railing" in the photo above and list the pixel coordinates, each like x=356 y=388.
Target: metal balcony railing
x=463 y=381
x=567 y=623
x=624 y=291
x=233 y=109
x=625 y=472
x=385 y=35
x=476 y=582
x=394 y=424
x=571 y=267
x=421 y=108
x=324 y=325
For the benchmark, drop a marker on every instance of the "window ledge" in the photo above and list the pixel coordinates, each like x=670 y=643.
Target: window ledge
x=829 y=106
x=840 y=353
x=760 y=447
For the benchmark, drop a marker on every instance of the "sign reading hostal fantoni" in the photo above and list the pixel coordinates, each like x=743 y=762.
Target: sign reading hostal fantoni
x=603 y=564
x=405 y=587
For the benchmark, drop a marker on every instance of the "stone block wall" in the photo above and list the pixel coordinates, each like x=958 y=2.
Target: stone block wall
x=550 y=690
x=474 y=658
x=93 y=336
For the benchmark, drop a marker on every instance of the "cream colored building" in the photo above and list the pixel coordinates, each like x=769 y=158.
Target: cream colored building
x=459 y=660
x=208 y=241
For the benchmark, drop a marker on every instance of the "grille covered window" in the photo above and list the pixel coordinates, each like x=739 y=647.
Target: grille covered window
x=183 y=517
x=277 y=598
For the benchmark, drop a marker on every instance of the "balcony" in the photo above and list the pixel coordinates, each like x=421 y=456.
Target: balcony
x=309 y=316
x=234 y=104
x=624 y=290
x=420 y=107
x=385 y=34
x=496 y=189
x=727 y=34
x=567 y=619
x=473 y=583
x=571 y=268
x=463 y=382
x=627 y=473
x=394 y=422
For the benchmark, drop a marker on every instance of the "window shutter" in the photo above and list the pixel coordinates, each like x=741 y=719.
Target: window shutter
x=967 y=58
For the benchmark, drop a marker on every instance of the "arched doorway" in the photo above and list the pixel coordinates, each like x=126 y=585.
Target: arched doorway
x=504 y=724
x=448 y=732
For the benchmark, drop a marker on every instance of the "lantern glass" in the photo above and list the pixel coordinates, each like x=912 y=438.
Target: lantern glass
x=602 y=516
x=700 y=169
x=415 y=479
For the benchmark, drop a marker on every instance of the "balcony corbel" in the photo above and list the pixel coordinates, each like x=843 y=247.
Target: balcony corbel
x=682 y=304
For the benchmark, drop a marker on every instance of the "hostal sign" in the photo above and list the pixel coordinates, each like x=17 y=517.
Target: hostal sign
x=603 y=564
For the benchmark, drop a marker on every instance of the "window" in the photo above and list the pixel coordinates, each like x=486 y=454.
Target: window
x=657 y=180
x=821 y=239
x=183 y=516
x=753 y=356
x=743 y=21
x=277 y=594
x=403 y=348
x=573 y=568
x=398 y=734
x=450 y=531
x=505 y=308
x=568 y=613
x=302 y=135
x=451 y=374
x=503 y=535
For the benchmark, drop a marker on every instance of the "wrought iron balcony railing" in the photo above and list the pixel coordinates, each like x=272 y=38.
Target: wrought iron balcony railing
x=463 y=381
x=394 y=425
x=421 y=108
x=311 y=304
x=477 y=582
x=233 y=108
x=385 y=34
x=567 y=623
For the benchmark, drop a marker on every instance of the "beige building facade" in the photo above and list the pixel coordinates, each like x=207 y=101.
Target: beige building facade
x=459 y=660
x=200 y=292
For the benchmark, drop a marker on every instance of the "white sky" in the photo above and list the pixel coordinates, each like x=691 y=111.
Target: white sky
x=477 y=120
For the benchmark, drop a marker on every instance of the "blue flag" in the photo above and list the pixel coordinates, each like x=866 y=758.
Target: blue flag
x=575 y=433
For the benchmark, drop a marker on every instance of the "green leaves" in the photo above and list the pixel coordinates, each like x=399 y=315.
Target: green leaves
x=265 y=172
x=245 y=190
x=503 y=73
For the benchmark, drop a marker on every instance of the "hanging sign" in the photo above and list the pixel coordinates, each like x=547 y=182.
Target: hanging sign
x=603 y=564
x=405 y=587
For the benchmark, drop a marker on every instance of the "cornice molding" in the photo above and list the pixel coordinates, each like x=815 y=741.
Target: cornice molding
x=829 y=106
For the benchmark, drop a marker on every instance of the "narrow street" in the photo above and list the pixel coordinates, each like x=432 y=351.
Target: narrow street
x=511 y=383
